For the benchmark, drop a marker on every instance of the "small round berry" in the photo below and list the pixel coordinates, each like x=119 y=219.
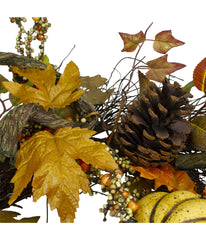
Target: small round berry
x=36 y=18
x=105 y=179
x=83 y=120
x=125 y=194
x=39 y=37
x=133 y=205
x=68 y=118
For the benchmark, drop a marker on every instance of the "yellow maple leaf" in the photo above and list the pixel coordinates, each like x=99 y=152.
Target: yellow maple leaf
x=47 y=94
x=50 y=159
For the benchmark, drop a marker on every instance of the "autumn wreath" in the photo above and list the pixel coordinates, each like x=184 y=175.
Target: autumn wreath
x=150 y=158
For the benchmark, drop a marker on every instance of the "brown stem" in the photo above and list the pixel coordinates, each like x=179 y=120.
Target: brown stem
x=198 y=112
x=134 y=64
x=4 y=107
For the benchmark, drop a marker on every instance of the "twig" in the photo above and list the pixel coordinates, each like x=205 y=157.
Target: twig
x=115 y=124
x=4 y=107
x=66 y=57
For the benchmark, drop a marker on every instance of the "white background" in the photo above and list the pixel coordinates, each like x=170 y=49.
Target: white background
x=93 y=27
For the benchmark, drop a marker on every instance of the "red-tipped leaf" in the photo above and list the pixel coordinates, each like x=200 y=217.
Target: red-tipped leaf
x=131 y=41
x=164 y=41
x=159 y=68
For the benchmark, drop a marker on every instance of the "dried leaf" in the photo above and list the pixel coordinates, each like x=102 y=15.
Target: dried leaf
x=94 y=94
x=97 y=96
x=159 y=68
x=164 y=41
x=198 y=133
x=47 y=94
x=191 y=161
x=92 y=82
x=50 y=160
x=143 y=82
x=199 y=76
x=131 y=41
x=9 y=217
x=168 y=176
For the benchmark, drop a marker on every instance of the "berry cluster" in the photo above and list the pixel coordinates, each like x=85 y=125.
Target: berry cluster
x=124 y=187
x=29 y=130
x=37 y=32
x=120 y=202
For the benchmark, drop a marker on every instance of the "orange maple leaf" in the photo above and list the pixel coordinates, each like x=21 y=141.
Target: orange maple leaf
x=168 y=176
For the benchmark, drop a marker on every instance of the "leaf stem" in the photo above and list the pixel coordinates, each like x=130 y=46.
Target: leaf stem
x=47 y=211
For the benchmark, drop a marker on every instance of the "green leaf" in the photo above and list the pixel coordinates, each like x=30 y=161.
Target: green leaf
x=191 y=161
x=14 y=100
x=2 y=88
x=188 y=87
x=9 y=217
x=198 y=133
x=46 y=60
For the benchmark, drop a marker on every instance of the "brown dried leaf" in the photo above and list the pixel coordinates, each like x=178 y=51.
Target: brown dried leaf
x=92 y=82
x=159 y=68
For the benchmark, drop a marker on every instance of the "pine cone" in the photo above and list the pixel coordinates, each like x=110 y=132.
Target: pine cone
x=154 y=130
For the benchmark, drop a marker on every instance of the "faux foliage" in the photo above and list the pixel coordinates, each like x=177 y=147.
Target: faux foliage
x=150 y=162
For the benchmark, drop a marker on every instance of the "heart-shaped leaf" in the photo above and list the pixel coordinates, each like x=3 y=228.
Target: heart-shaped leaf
x=164 y=41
